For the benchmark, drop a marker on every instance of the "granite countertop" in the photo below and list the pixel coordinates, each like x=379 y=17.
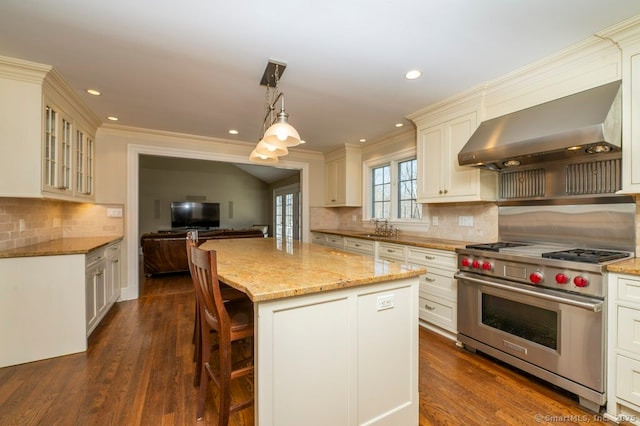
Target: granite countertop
x=63 y=246
x=407 y=239
x=273 y=268
x=629 y=266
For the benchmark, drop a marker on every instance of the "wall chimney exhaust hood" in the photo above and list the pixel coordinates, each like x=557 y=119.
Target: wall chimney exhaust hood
x=575 y=126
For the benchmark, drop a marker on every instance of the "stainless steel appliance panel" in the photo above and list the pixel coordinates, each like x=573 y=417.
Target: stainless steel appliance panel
x=563 y=330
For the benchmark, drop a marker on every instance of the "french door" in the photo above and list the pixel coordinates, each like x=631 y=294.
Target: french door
x=287 y=212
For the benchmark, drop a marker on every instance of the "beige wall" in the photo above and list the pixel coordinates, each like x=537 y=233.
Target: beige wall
x=243 y=198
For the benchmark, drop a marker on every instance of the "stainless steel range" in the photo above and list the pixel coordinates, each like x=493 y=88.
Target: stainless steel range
x=536 y=299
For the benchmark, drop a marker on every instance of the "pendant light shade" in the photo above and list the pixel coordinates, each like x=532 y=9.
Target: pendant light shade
x=281 y=133
x=265 y=148
x=262 y=159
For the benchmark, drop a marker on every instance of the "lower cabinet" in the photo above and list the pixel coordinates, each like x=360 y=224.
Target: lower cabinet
x=623 y=378
x=360 y=246
x=438 y=291
x=102 y=283
x=438 y=296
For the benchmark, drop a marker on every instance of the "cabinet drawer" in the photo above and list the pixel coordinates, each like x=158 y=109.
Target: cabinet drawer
x=391 y=251
x=439 y=282
x=94 y=256
x=317 y=238
x=360 y=246
x=628 y=289
x=628 y=378
x=629 y=329
x=440 y=312
x=335 y=241
x=431 y=257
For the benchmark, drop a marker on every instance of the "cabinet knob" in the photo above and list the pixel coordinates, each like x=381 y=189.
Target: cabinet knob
x=445 y=191
x=440 y=192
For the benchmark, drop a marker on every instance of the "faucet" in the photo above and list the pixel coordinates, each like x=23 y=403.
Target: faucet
x=383 y=229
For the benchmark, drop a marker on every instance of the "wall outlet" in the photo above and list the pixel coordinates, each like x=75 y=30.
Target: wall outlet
x=384 y=302
x=21 y=225
x=114 y=212
x=354 y=218
x=465 y=220
x=435 y=220
x=57 y=222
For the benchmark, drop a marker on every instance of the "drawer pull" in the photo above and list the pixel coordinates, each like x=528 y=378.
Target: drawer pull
x=426 y=278
x=390 y=250
x=357 y=245
x=99 y=273
x=429 y=308
x=429 y=257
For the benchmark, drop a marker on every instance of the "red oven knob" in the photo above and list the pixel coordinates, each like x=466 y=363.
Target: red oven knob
x=487 y=266
x=536 y=277
x=581 y=281
x=562 y=279
x=476 y=264
x=466 y=262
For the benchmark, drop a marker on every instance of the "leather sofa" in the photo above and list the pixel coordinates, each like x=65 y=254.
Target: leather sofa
x=165 y=252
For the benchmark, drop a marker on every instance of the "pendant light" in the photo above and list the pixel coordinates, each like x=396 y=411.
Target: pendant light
x=279 y=134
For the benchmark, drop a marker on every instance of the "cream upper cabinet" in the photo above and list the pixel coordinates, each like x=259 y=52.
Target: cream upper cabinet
x=343 y=177
x=631 y=114
x=440 y=178
x=47 y=136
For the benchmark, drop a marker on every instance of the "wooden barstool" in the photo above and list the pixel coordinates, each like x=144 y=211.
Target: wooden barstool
x=232 y=321
x=228 y=293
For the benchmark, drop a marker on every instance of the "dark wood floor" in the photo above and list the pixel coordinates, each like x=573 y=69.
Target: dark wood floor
x=139 y=371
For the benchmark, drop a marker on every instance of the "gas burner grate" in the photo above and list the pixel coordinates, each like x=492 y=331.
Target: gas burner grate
x=586 y=255
x=495 y=246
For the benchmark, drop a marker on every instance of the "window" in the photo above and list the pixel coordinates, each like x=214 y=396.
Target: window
x=287 y=212
x=408 y=208
x=392 y=189
x=381 y=192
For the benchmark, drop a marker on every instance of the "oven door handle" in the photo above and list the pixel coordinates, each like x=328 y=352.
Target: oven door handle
x=595 y=306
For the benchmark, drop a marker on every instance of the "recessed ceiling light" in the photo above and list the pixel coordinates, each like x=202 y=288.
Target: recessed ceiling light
x=363 y=140
x=233 y=132
x=413 y=74
x=399 y=124
x=303 y=141
x=94 y=92
x=112 y=118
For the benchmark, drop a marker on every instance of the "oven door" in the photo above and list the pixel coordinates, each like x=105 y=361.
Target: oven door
x=562 y=333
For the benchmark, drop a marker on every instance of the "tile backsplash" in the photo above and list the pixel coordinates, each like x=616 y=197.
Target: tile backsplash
x=26 y=221
x=484 y=217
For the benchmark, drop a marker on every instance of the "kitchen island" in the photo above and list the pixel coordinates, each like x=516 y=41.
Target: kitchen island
x=336 y=333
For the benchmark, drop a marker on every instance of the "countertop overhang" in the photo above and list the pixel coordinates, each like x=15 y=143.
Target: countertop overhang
x=275 y=268
x=62 y=246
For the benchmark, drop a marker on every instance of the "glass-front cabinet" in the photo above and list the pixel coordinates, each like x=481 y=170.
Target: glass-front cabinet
x=68 y=153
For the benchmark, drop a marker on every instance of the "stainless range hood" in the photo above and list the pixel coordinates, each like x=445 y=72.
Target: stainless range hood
x=575 y=126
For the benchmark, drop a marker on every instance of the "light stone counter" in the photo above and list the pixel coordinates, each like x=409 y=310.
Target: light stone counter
x=403 y=238
x=629 y=266
x=272 y=268
x=62 y=246
x=336 y=333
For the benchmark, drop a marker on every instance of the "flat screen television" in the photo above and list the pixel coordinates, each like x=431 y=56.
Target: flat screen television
x=189 y=214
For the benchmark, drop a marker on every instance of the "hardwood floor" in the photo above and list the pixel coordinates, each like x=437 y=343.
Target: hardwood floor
x=139 y=371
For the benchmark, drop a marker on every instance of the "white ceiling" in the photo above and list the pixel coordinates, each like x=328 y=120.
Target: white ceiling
x=194 y=66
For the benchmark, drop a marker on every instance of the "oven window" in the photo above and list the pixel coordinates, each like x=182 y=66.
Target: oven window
x=532 y=323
